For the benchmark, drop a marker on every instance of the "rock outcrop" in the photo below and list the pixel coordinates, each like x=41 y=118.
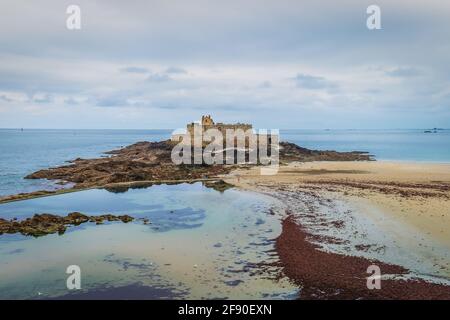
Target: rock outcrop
x=44 y=224
x=151 y=161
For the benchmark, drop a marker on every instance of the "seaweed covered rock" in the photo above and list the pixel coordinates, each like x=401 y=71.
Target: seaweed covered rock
x=43 y=224
x=151 y=161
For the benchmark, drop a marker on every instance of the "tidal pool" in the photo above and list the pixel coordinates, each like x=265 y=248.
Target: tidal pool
x=200 y=244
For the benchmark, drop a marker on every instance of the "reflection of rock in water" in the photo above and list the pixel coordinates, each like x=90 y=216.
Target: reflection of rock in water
x=122 y=188
x=166 y=220
x=125 y=188
x=135 y=291
x=233 y=283
x=127 y=263
x=16 y=251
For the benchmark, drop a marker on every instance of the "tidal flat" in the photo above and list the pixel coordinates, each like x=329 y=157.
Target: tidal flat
x=343 y=217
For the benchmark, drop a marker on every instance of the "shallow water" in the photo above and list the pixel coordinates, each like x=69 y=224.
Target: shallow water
x=200 y=244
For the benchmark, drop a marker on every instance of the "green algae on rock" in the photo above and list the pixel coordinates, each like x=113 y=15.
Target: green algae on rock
x=45 y=223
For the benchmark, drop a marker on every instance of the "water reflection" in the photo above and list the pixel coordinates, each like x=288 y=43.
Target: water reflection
x=199 y=243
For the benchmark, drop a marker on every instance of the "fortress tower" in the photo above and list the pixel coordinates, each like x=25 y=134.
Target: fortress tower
x=208 y=123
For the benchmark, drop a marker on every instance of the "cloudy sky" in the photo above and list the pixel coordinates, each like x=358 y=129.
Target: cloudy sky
x=276 y=64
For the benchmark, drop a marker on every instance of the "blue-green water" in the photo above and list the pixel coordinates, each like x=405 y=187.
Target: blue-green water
x=396 y=145
x=192 y=248
x=23 y=152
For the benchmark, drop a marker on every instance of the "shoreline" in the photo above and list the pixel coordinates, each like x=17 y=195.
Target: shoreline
x=111 y=186
x=407 y=198
x=409 y=161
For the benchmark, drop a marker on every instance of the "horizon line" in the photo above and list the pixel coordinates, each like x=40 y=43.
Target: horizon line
x=142 y=129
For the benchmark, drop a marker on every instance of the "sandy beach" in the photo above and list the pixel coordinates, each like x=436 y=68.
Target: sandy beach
x=415 y=193
x=390 y=212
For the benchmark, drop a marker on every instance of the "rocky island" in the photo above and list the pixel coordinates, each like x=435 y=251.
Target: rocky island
x=150 y=161
x=146 y=163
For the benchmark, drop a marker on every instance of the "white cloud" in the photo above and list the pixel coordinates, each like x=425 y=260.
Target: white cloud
x=283 y=64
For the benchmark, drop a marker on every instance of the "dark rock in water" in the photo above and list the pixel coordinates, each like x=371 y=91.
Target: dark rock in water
x=135 y=291
x=292 y=152
x=151 y=161
x=233 y=283
x=218 y=185
x=16 y=251
x=76 y=218
x=140 y=162
x=218 y=245
x=44 y=224
x=125 y=218
x=259 y=221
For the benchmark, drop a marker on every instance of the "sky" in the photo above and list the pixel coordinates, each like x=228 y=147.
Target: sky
x=278 y=64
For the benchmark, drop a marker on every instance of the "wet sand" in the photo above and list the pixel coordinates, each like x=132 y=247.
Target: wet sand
x=417 y=194
x=399 y=213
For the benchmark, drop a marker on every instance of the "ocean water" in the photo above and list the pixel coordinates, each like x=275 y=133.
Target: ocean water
x=394 y=145
x=23 y=152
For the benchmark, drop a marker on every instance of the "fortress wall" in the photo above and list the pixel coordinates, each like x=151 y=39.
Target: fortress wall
x=221 y=127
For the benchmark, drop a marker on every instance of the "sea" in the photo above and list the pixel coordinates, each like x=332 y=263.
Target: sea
x=25 y=151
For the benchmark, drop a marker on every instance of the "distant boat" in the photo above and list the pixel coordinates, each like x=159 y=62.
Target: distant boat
x=428 y=131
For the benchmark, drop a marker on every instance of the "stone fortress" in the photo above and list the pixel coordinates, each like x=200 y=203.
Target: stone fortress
x=208 y=123
x=235 y=143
